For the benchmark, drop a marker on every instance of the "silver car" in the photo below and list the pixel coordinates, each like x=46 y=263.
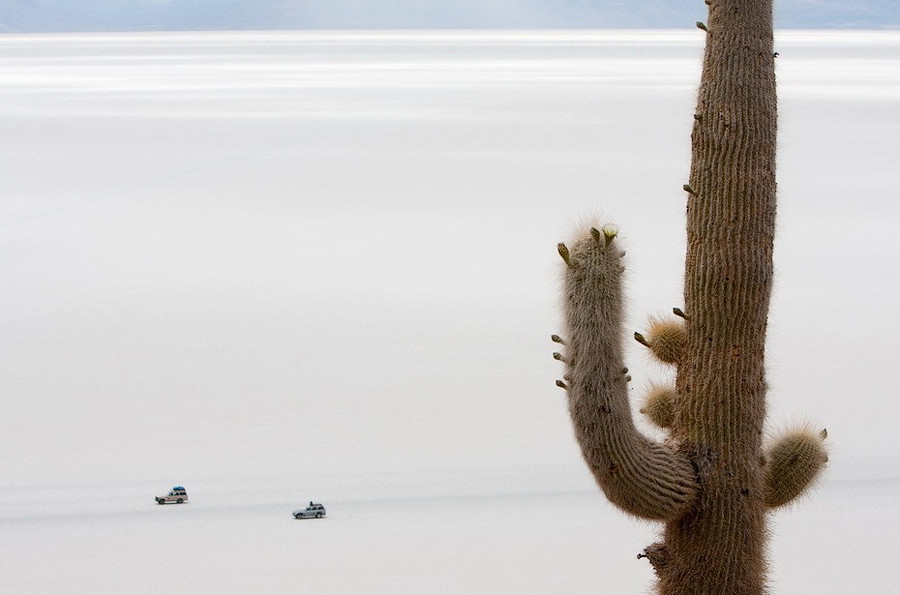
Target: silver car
x=313 y=511
x=178 y=495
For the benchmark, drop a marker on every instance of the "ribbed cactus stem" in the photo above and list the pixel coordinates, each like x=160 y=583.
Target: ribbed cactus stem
x=728 y=280
x=646 y=479
x=793 y=463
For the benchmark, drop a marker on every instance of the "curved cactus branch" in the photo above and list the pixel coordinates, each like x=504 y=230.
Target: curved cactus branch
x=642 y=477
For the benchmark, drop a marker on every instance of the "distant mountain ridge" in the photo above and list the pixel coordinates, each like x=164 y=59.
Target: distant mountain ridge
x=27 y=16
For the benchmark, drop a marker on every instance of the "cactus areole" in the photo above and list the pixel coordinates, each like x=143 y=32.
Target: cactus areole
x=711 y=482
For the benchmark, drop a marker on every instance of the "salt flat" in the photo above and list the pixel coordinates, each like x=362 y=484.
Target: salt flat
x=417 y=532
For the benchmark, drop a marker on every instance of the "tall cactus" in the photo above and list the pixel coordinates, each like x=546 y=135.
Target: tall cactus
x=711 y=482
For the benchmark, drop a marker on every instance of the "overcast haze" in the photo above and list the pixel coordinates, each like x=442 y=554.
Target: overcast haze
x=152 y=15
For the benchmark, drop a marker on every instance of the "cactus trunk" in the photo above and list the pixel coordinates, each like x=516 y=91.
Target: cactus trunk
x=710 y=482
x=718 y=547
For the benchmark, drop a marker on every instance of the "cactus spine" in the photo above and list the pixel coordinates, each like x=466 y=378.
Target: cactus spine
x=711 y=483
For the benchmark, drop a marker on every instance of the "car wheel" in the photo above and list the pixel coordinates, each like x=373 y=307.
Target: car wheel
x=318 y=515
x=180 y=501
x=298 y=516
x=158 y=501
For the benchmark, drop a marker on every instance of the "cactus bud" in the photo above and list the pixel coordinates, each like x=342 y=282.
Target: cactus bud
x=610 y=232
x=564 y=252
x=640 y=339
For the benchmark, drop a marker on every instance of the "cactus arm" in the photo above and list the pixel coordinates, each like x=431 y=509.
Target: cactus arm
x=641 y=477
x=793 y=463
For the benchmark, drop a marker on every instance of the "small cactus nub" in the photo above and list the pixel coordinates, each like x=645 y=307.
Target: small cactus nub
x=792 y=465
x=666 y=338
x=659 y=406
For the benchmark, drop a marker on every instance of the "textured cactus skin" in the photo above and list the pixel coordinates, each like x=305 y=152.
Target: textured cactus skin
x=710 y=482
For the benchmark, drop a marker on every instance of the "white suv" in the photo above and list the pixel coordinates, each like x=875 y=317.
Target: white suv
x=178 y=495
x=314 y=510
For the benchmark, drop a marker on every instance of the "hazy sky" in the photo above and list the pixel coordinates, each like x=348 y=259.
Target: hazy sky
x=116 y=15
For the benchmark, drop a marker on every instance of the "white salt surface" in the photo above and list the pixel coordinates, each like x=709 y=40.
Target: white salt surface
x=427 y=533
x=290 y=266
